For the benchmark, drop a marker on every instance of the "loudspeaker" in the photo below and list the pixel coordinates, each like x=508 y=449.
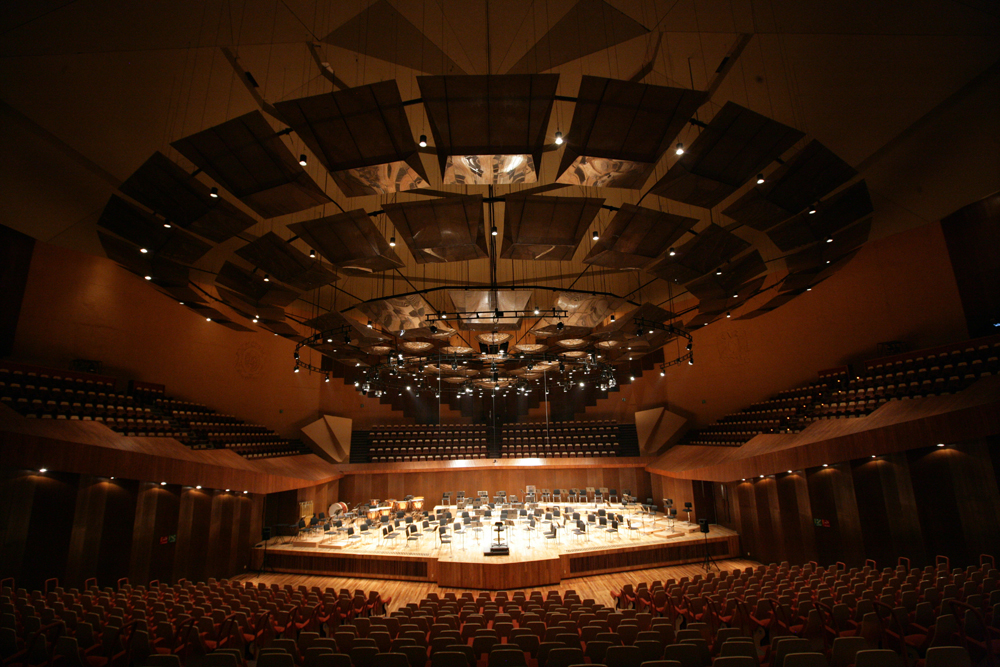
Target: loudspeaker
x=703 y=525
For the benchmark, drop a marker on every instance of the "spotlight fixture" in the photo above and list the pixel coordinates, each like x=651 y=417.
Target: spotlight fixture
x=559 y=139
x=302 y=159
x=631 y=378
x=214 y=193
x=493 y=230
x=208 y=319
x=718 y=272
x=595 y=236
x=143 y=251
x=662 y=373
x=444 y=316
x=43 y=470
x=536 y=310
x=296 y=369
x=581 y=383
x=163 y=483
x=826 y=465
x=728 y=315
x=327 y=379
x=940 y=444
x=559 y=326
x=691 y=360
x=254 y=320
x=612 y=317
x=423 y=141
x=760 y=178
x=689 y=347
x=369 y=324
x=812 y=210
x=671 y=252
x=829 y=239
x=167 y=225
x=392 y=241
x=680 y=149
x=267 y=278
x=312 y=253
x=198 y=487
x=149 y=277
x=433 y=329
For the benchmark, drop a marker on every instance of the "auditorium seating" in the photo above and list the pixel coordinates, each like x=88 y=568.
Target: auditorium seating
x=142 y=410
x=568 y=439
x=427 y=443
x=772 y=616
x=838 y=394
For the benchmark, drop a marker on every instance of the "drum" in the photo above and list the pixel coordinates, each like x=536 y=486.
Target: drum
x=336 y=509
x=397 y=505
x=385 y=511
x=372 y=513
x=418 y=503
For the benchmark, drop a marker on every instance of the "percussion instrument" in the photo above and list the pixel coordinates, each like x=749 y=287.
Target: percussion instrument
x=372 y=514
x=417 y=503
x=397 y=505
x=338 y=508
x=385 y=511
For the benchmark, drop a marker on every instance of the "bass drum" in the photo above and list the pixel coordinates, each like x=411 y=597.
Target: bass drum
x=337 y=509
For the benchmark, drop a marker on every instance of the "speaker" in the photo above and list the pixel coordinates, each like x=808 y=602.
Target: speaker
x=703 y=525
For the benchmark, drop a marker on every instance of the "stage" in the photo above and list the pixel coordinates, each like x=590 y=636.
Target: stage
x=534 y=560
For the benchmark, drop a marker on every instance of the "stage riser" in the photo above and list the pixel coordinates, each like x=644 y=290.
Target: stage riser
x=502 y=574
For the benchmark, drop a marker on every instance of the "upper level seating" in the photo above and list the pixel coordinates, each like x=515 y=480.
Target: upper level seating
x=559 y=439
x=142 y=410
x=838 y=394
x=939 y=615
x=427 y=442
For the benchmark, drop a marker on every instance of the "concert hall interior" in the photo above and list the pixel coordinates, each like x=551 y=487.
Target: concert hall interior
x=316 y=315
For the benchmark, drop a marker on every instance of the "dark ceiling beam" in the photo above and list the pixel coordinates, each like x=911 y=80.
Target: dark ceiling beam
x=324 y=67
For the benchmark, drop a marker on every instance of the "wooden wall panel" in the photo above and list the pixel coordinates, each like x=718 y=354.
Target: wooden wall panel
x=919 y=504
x=797 y=528
x=74 y=527
x=357 y=488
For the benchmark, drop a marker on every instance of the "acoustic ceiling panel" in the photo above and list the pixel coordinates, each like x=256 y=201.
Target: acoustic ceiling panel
x=546 y=228
x=736 y=145
x=362 y=136
x=721 y=284
x=636 y=236
x=359 y=332
x=248 y=307
x=588 y=27
x=382 y=32
x=162 y=272
x=401 y=313
x=281 y=260
x=809 y=176
x=831 y=215
x=476 y=118
x=144 y=230
x=710 y=248
x=254 y=287
x=823 y=253
x=773 y=304
x=809 y=277
x=441 y=230
x=482 y=304
x=247 y=157
x=620 y=129
x=626 y=325
x=350 y=242
x=185 y=201
x=732 y=300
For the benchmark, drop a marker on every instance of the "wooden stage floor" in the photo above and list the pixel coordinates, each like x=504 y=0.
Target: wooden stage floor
x=533 y=561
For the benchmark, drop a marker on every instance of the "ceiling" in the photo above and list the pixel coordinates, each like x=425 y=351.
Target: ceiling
x=91 y=89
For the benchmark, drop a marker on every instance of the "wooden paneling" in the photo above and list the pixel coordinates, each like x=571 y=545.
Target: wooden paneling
x=16 y=250
x=358 y=488
x=921 y=503
x=74 y=527
x=969 y=234
x=500 y=576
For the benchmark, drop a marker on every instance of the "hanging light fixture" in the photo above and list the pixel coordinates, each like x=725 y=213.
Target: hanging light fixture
x=392 y=241
x=680 y=149
x=423 y=141
x=214 y=193
x=559 y=139
x=302 y=159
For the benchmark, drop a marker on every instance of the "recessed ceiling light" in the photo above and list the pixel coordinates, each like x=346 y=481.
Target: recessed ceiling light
x=149 y=277
x=43 y=470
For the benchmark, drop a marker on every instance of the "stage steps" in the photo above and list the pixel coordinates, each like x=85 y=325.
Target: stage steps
x=359 y=447
x=628 y=440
